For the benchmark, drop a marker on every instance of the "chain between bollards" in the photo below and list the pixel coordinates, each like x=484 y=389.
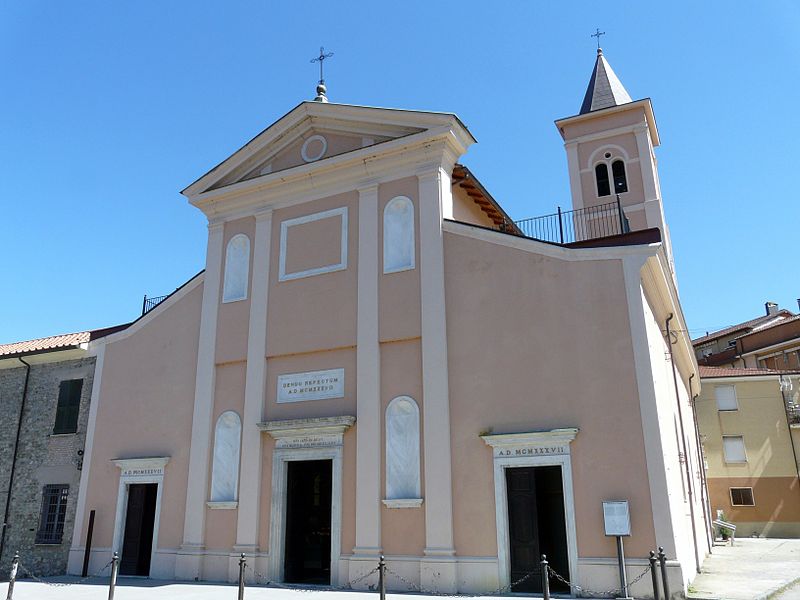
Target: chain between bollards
x=382 y=576
x=112 y=584
x=242 y=566
x=545 y=578
x=13 y=576
x=662 y=559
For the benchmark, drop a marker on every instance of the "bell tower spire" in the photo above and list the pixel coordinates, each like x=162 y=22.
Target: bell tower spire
x=610 y=148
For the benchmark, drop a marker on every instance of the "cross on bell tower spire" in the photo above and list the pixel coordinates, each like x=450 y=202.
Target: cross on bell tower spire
x=321 y=89
x=597 y=34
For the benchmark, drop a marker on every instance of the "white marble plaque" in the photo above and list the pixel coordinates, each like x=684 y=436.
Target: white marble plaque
x=616 y=518
x=313 y=385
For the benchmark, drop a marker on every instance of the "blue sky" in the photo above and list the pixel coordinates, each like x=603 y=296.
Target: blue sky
x=108 y=109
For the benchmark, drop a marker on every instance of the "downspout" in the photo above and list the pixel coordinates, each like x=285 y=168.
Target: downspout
x=702 y=467
x=14 y=457
x=683 y=441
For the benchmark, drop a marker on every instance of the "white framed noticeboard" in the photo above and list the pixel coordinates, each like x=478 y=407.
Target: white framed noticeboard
x=616 y=517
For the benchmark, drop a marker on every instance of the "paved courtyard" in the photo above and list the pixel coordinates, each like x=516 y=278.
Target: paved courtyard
x=145 y=589
x=752 y=569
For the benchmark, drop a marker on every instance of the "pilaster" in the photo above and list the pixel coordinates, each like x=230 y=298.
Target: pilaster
x=574 y=170
x=368 y=398
x=188 y=560
x=247 y=525
x=438 y=568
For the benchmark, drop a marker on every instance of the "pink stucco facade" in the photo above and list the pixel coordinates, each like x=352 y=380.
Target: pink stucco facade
x=490 y=334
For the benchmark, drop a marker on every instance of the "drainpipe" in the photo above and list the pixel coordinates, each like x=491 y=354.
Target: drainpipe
x=14 y=457
x=702 y=466
x=683 y=440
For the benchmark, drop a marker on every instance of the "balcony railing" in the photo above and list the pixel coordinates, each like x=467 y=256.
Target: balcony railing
x=570 y=226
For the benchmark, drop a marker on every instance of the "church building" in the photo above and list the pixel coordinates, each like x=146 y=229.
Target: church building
x=378 y=360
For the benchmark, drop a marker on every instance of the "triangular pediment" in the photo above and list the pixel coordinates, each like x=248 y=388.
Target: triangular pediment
x=312 y=133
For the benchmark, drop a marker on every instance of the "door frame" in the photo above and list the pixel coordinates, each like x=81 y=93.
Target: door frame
x=132 y=471
x=535 y=449
x=318 y=438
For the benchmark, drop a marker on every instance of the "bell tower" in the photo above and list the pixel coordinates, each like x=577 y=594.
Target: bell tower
x=610 y=152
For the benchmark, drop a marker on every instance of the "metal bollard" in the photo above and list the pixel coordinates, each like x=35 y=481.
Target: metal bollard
x=545 y=578
x=654 y=574
x=382 y=576
x=113 y=580
x=242 y=565
x=662 y=558
x=13 y=576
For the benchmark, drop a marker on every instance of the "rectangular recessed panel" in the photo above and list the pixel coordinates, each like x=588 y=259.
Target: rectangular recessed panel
x=313 y=244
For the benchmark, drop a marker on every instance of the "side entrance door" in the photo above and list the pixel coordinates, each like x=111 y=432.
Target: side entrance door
x=137 y=543
x=536 y=526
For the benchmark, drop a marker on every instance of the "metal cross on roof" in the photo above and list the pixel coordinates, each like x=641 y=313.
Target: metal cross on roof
x=322 y=56
x=597 y=34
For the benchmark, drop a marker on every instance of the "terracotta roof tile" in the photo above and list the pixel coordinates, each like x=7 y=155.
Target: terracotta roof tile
x=741 y=372
x=48 y=343
x=55 y=342
x=749 y=325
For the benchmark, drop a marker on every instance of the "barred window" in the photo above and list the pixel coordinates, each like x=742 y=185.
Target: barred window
x=54 y=509
x=69 y=404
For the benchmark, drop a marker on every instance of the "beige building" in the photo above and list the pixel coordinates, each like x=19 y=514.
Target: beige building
x=750 y=425
x=377 y=360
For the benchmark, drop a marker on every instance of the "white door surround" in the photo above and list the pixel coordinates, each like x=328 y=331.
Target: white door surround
x=304 y=439
x=535 y=449
x=138 y=470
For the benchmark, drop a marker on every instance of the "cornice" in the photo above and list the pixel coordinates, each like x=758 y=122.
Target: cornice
x=553 y=436
x=313 y=426
x=342 y=117
x=346 y=172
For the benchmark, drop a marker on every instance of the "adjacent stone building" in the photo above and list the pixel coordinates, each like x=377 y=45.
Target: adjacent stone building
x=45 y=392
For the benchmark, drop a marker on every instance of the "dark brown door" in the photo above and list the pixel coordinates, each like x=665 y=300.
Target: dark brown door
x=536 y=525
x=308 y=522
x=139 y=520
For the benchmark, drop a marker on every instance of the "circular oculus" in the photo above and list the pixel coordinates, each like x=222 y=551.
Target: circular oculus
x=314 y=148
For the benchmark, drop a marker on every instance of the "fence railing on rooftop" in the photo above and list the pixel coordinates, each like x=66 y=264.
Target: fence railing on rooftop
x=150 y=303
x=570 y=226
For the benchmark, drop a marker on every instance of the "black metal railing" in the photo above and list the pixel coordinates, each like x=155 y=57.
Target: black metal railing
x=569 y=226
x=149 y=304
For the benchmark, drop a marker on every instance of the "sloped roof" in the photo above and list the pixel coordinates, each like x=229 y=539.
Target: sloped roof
x=745 y=327
x=741 y=372
x=64 y=341
x=605 y=89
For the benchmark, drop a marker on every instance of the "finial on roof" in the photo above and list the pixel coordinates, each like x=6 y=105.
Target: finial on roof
x=605 y=89
x=321 y=89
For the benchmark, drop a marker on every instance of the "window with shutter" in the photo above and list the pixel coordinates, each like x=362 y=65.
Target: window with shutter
x=726 y=397
x=69 y=404
x=733 y=449
x=54 y=510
